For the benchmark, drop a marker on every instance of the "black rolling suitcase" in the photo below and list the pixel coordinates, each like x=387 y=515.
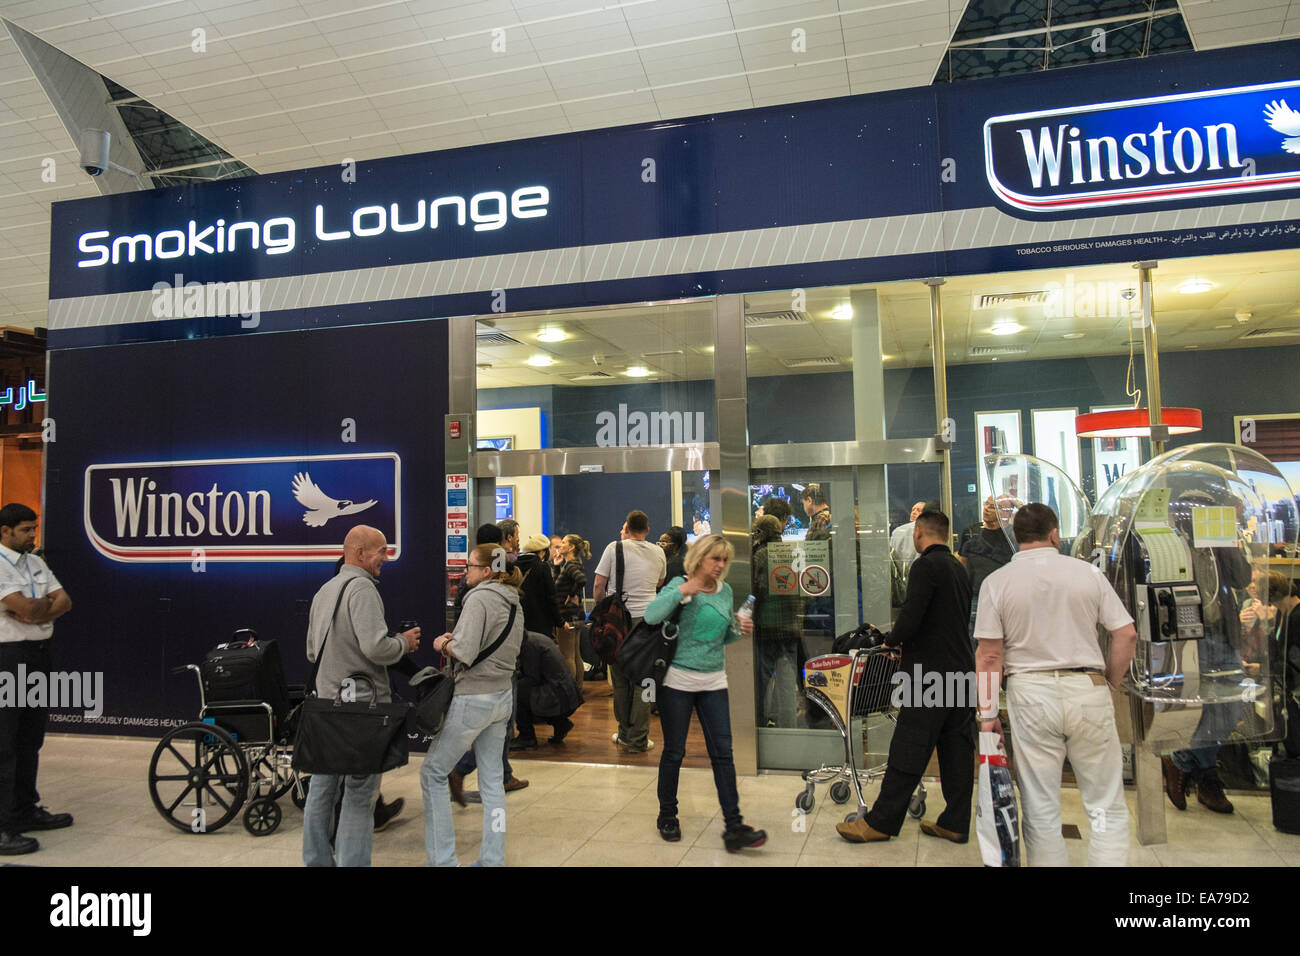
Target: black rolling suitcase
x=246 y=669
x=1284 y=789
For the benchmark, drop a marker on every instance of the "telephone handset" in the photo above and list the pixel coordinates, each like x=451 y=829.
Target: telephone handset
x=1173 y=612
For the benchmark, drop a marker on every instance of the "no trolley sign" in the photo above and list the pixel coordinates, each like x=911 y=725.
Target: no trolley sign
x=801 y=567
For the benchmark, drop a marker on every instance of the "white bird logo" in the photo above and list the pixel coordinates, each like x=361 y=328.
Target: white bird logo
x=320 y=506
x=1286 y=121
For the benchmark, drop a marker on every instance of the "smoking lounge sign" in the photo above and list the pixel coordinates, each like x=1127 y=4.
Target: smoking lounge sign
x=1190 y=146
x=241 y=509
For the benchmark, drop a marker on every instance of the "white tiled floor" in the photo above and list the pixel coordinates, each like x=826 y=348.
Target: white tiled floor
x=577 y=815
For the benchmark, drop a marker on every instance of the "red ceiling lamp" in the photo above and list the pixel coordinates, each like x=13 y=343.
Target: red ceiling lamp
x=1136 y=422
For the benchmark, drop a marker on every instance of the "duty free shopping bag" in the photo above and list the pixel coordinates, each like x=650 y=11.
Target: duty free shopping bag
x=997 y=821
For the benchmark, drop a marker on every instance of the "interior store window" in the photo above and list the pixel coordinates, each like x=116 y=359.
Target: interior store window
x=626 y=376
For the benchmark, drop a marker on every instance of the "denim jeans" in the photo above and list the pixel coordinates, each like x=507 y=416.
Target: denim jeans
x=675 y=708
x=468 y=763
x=477 y=722
x=1055 y=715
x=356 y=820
x=778 y=682
x=1217 y=721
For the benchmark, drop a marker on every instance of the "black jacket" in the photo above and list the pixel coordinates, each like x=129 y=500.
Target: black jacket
x=545 y=676
x=933 y=626
x=537 y=595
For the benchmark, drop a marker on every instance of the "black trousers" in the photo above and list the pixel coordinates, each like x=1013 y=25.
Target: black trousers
x=22 y=731
x=919 y=731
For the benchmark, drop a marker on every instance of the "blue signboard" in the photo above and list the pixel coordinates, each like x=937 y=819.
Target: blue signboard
x=241 y=509
x=1187 y=146
x=505 y=502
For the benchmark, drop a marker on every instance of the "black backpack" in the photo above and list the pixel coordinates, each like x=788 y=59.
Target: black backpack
x=610 y=621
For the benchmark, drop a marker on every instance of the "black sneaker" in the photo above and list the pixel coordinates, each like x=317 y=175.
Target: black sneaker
x=385 y=813
x=523 y=743
x=669 y=829
x=562 y=727
x=15 y=844
x=743 y=837
x=39 y=818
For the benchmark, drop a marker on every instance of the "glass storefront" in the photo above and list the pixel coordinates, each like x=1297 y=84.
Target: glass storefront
x=841 y=423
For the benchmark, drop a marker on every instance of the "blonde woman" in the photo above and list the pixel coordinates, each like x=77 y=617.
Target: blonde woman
x=479 y=716
x=697 y=681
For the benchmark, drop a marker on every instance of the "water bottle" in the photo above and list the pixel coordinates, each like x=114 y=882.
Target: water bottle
x=746 y=611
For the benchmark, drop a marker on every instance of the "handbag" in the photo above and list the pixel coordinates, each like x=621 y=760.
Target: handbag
x=349 y=737
x=648 y=650
x=436 y=691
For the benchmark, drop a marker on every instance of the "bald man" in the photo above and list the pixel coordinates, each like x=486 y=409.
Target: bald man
x=348 y=611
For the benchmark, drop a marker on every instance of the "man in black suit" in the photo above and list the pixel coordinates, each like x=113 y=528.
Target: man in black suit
x=931 y=633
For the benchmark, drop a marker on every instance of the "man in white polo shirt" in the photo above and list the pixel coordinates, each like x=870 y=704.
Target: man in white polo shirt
x=32 y=598
x=644 y=566
x=1037 y=620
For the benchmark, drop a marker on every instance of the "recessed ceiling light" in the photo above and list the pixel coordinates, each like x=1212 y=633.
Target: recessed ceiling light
x=1073 y=335
x=637 y=371
x=540 y=361
x=1006 y=327
x=842 y=312
x=1226 y=325
x=995 y=358
x=1195 y=286
x=551 y=333
x=1191 y=346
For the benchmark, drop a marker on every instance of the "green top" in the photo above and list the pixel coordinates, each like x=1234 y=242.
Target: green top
x=706 y=624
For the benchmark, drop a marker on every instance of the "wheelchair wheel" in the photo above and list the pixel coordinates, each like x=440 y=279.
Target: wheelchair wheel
x=840 y=791
x=263 y=816
x=198 y=777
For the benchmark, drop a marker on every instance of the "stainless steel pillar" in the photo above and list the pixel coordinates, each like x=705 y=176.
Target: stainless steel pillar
x=730 y=500
x=940 y=360
x=1148 y=780
x=872 y=523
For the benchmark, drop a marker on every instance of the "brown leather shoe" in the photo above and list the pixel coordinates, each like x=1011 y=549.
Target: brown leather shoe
x=934 y=830
x=1175 y=784
x=514 y=783
x=1209 y=793
x=456 y=784
x=859 y=831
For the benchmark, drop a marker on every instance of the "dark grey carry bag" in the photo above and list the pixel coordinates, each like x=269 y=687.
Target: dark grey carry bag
x=435 y=688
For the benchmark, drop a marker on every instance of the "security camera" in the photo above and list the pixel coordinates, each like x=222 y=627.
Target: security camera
x=94 y=151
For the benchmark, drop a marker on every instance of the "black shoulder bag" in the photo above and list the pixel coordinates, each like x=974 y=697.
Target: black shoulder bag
x=347 y=737
x=648 y=650
x=436 y=690
x=610 y=621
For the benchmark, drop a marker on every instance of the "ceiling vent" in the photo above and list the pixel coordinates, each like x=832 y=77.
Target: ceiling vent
x=1000 y=350
x=1010 y=300
x=593 y=377
x=775 y=320
x=819 y=362
x=493 y=337
x=1272 y=333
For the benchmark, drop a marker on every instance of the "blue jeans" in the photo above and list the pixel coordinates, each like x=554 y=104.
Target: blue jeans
x=477 y=722
x=1217 y=720
x=356 y=820
x=467 y=764
x=675 y=708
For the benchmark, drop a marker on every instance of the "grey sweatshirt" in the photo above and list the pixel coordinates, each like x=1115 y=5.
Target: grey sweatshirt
x=358 y=641
x=483 y=617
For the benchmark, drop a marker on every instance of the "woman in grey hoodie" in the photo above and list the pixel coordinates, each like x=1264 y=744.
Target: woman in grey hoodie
x=480 y=709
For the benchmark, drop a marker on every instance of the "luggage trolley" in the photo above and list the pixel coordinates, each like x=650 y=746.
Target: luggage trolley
x=238 y=752
x=846 y=686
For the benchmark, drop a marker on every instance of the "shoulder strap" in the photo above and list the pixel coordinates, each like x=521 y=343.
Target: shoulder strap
x=311 y=684
x=492 y=648
x=618 y=570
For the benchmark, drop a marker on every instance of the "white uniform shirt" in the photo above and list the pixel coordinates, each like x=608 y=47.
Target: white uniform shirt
x=903 y=545
x=644 y=566
x=26 y=574
x=1045 y=607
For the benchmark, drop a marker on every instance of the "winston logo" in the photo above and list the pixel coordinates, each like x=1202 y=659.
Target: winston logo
x=1162 y=149
x=239 y=509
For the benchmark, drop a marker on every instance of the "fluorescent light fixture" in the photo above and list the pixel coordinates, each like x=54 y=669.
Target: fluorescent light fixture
x=540 y=361
x=842 y=312
x=1006 y=327
x=1195 y=286
x=551 y=333
x=637 y=371
x=1073 y=335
